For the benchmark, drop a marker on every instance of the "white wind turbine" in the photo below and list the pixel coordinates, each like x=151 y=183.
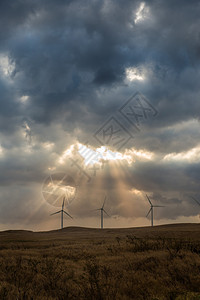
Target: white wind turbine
x=62 y=211
x=102 y=212
x=151 y=209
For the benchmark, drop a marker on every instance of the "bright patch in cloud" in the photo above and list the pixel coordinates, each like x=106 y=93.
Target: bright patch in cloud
x=100 y=154
x=24 y=99
x=6 y=67
x=191 y=155
x=66 y=153
x=141 y=154
x=136 y=192
x=27 y=132
x=134 y=74
x=141 y=13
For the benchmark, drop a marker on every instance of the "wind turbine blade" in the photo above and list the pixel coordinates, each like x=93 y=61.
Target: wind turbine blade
x=55 y=213
x=148 y=212
x=95 y=209
x=67 y=214
x=148 y=199
x=63 y=204
x=195 y=200
x=106 y=212
x=158 y=206
x=104 y=202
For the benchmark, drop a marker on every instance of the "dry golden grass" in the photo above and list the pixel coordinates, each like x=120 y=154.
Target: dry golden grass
x=79 y=263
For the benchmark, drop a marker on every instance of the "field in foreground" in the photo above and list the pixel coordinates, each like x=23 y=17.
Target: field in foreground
x=81 y=263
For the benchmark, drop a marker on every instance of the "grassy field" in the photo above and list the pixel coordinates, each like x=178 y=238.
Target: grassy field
x=162 y=262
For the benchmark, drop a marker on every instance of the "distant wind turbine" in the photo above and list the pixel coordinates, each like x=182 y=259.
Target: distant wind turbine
x=102 y=211
x=151 y=209
x=62 y=211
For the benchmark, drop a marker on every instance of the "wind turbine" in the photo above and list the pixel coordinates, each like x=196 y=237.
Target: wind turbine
x=102 y=211
x=151 y=209
x=62 y=211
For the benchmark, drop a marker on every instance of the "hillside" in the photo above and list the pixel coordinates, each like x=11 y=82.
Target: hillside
x=162 y=262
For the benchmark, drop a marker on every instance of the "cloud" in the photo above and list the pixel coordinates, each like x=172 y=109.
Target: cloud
x=66 y=67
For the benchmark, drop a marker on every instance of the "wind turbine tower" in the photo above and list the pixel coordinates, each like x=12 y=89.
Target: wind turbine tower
x=102 y=212
x=151 y=209
x=62 y=211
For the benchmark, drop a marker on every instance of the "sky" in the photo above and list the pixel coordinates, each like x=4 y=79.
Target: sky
x=99 y=100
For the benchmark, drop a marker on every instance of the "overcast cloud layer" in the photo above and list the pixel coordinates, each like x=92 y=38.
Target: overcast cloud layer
x=66 y=67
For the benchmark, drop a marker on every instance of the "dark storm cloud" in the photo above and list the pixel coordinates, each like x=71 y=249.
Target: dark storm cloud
x=13 y=14
x=67 y=51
